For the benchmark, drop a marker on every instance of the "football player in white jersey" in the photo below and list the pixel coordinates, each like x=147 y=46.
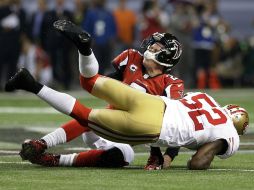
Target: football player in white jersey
x=196 y=121
x=140 y=72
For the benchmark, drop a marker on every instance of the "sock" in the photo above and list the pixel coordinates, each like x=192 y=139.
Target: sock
x=36 y=88
x=84 y=51
x=89 y=158
x=81 y=113
x=67 y=160
x=54 y=138
x=65 y=104
x=88 y=83
x=60 y=101
x=73 y=129
x=88 y=65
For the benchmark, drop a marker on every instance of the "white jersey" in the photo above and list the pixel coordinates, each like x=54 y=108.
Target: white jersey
x=195 y=120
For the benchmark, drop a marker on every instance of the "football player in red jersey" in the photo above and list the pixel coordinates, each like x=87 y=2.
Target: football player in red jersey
x=143 y=72
x=196 y=121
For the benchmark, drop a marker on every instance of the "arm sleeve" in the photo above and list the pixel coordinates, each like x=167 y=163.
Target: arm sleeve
x=233 y=145
x=172 y=152
x=120 y=62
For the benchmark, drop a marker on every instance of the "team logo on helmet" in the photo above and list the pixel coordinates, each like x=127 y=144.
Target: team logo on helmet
x=239 y=117
x=177 y=48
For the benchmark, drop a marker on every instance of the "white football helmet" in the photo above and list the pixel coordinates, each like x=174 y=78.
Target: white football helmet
x=239 y=117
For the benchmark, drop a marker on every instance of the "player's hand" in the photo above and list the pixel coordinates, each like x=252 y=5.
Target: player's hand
x=167 y=161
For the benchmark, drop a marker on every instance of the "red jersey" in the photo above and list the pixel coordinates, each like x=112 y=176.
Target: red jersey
x=130 y=64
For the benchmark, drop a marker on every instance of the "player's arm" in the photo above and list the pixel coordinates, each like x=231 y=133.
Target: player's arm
x=202 y=159
x=174 y=90
x=119 y=64
x=169 y=156
x=116 y=75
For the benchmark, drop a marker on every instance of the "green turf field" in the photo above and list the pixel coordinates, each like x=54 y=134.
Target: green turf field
x=24 y=116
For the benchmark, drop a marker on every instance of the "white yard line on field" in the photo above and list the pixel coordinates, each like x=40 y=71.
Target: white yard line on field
x=247 y=143
x=29 y=96
x=9 y=152
x=26 y=163
x=29 y=110
x=233 y=170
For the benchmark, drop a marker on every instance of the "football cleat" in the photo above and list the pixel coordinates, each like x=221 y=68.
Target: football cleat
x=46 y=159
x=32 y=148
x=154 y=163
x=79 y=37
x=21 y=80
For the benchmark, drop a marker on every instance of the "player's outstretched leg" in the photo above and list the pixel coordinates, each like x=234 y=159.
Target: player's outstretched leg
x=63 y=134
x=79 y=37
x=113 y=157
x=88 y=64
x=23 y=80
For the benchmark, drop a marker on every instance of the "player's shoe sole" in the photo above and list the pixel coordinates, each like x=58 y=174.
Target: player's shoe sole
x=73 y=32
x=21 y=80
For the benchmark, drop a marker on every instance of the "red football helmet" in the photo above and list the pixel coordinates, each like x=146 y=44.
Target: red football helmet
x=239 y=117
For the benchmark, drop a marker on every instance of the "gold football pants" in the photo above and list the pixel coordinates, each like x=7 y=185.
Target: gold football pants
x=136 y=117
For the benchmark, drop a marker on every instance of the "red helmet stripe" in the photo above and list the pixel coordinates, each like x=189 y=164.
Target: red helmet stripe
x=232 y=106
